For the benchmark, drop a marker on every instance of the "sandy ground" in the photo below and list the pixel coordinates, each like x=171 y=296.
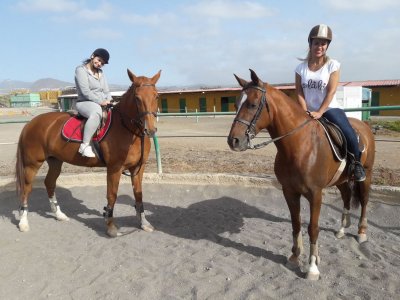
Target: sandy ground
x=211 y=242
x=214 y=238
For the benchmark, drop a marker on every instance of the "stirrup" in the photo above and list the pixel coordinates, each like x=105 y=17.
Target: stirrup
x=359 y=172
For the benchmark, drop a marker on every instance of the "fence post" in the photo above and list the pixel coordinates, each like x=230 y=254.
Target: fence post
x=158 y=156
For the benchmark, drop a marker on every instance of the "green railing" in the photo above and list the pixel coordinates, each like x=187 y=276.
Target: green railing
x=201 y=114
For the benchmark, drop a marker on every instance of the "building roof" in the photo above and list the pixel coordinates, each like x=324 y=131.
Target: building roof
x=392 y=82
x=289 y=86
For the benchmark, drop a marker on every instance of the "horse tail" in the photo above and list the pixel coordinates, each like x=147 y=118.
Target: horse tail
x=19 y=169
x=355 y=195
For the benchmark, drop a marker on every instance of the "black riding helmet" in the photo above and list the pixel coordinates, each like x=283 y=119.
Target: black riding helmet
x=103 y=53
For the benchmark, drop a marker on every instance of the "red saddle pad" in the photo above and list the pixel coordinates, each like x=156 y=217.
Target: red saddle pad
x=73 y=129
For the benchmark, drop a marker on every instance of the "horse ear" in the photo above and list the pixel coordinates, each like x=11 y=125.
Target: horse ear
x=241 y=81
x=155 y=78
x=255 y=79
x=132 y=76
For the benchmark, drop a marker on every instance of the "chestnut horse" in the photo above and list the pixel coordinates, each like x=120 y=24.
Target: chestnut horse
x=126 y=146
x=304 y=164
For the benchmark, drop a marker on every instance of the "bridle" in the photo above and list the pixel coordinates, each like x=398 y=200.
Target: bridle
x=251 y=126
x=138 y=123
x=138 y=120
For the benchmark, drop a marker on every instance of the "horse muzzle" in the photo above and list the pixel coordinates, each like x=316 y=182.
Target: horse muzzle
x=238 y=143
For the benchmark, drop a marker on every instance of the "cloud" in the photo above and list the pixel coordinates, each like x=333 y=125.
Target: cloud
x=151 y=20
x=225 y=9
x=103 y=34
x=104 y=12
x=363 y=5
x=55 y=6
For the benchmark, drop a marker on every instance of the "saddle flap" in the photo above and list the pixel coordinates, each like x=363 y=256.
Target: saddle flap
x=72 y=129
x=335 y=137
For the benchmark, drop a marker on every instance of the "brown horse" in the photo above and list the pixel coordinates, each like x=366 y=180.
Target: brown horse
x=304 y=164
x=126 y=146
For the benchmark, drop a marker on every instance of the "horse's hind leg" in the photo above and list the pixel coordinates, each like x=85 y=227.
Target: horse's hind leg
x=50 y=183
x=345 y=192
x=293 y=202
x=364 y=188
x=29 y=173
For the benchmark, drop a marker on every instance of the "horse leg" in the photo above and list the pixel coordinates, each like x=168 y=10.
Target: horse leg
x=29 y=175
x=137 y=192
x=364 y=188
x=293 y=202
x=313 y=230
x=112 y=189
x=50 y=183
x=345 y=192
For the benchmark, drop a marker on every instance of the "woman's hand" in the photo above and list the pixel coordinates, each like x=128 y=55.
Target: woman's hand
x=104 y=103
x=315 y=114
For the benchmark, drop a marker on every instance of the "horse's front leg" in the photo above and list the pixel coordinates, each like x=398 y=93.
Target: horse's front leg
x=137 y=192
x=313 y=231
x=112 y=189
x=293 y=202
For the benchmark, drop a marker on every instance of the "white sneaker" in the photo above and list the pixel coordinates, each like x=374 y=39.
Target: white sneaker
x=86 y=150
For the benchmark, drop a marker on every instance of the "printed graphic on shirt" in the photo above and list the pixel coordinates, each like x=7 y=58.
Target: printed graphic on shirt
x=313 y=84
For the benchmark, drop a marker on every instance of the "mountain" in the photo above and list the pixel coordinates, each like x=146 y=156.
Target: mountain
x=49 y=84
x=8 y=85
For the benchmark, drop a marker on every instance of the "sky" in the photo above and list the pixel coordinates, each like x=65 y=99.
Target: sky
x=196 y=42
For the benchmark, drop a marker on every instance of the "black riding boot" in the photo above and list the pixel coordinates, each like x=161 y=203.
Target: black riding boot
x=359 y=172
x=356 y=168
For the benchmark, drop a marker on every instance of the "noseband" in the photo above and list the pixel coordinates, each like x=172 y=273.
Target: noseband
x=251 y=126
x=138 y=120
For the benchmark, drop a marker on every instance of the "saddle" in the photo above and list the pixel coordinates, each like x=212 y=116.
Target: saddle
x=72 y=129
x=337 y=139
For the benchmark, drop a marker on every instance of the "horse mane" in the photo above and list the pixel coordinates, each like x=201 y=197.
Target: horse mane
x=277 y=93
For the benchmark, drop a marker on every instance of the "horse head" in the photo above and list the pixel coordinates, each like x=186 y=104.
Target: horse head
x=141 y=99
x=251 y=113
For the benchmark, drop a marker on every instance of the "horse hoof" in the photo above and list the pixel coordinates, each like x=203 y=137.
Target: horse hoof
x=293 y=262
x=313 y=272
x=312 y=276
x=23 y=227
x=339 y=234
x=62 y=217
x=147 y=228
x=362 y=237
x=112 y=231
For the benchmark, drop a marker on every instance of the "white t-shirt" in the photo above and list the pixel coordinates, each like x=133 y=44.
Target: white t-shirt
x=314 y=84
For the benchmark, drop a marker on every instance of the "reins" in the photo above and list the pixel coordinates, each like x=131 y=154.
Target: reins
x=139 y=124
x=250 y=132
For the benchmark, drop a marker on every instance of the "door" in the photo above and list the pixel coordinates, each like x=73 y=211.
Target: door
x=182 y=105
x=164 y=105
x=227 y=103
x=203 y=104
x=375 y=102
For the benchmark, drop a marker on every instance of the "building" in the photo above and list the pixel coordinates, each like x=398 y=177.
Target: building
x=25 y=100
x=384 y=93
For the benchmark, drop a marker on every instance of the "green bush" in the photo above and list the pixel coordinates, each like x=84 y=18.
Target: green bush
x=389 y=125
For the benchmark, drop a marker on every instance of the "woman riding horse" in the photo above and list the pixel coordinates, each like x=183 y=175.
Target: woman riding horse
x=317 y=78
x=304 y=163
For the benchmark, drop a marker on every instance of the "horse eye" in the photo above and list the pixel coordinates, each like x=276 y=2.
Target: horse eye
x=251 y=105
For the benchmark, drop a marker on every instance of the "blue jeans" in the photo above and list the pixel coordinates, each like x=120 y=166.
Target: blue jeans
x=338 y=117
